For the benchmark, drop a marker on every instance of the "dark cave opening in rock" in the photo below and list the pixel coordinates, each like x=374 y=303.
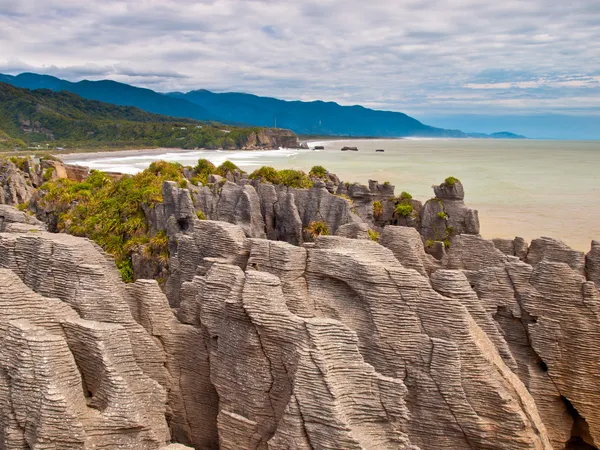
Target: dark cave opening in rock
x=580 y=432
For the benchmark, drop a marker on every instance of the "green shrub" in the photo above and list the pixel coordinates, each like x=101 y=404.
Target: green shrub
x=202 y=170
x=295 y=179
x=266 y=173
x=126 y=269
x=447 y=242
x=405 y=196
x=404 y=209
x=318 y=228
x=227 y=167
x=318 y=172
x=374 y=235
x=451 y=181
x=110 y=212
x=386 y=183
x=442 y=215
x=200 y=215
x=429 y=243
x=48 y=173
x=377 y=209
x=21 y=163
x=22 y=206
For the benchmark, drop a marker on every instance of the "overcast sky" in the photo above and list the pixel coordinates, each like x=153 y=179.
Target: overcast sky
x=421 y=57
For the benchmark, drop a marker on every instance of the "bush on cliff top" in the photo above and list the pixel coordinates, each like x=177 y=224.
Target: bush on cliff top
x=404 y=210
x=266 y=173
x=110 y=211
x=227 y=167
x=295 y=179
x=205 y=168
x=451 y=181
x=318 y=172
x=288 y=177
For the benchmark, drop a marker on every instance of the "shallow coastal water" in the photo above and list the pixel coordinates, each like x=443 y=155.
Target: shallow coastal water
x=525 y=188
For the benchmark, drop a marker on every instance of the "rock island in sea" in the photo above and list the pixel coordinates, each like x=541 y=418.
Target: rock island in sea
x=210 y=308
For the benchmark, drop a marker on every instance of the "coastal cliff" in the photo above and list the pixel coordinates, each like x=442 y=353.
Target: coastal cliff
x=405 y=330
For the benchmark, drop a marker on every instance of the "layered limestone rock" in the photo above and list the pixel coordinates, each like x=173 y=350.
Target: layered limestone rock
x=592 y=263
x=446 y=215
x=272 y=138
x=545 y=310
x=261 y=210
x=113 y=368
x=260 y=344
x=443 y=354
x=16 y=186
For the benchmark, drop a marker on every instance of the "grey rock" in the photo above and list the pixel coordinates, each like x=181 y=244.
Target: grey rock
x=447 y=191
x=551 y=249
x=592 y=263
x=407 y=246
x=472 y=252
x=357 y=230
x=15 y=185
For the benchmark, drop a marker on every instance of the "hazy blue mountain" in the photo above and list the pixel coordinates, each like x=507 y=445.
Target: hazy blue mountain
x=115 y=93
x=308 y=118
x=542 y=126
x=498 y=135
x=312 y=118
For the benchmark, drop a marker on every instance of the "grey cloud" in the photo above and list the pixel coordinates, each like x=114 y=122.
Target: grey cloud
x=403 y=55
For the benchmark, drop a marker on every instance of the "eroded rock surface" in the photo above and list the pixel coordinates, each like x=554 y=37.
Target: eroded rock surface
x=261 y=344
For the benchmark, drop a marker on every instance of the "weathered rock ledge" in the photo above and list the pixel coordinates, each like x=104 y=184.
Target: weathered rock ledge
x=276 y=346
x=281 y=343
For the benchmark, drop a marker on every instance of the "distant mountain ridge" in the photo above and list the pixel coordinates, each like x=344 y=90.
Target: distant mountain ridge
x=309 y=118
x=41 y=118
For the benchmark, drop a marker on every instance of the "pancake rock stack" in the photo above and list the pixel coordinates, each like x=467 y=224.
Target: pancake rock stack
x=261 y=344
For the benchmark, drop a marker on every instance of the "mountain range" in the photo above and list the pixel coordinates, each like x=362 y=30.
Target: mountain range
x=43 y=117
x=304 y=118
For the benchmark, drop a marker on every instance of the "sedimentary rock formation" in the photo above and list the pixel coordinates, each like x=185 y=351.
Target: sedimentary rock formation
x=446 y=215
x=260 y=344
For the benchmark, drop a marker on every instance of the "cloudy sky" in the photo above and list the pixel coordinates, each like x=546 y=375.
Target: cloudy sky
x=436 y=60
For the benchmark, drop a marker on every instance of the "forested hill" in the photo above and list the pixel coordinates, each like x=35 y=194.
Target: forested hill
x=29 y=118
x=115 y=93
x=309 y=118
x=315 y=118
x=312 y=118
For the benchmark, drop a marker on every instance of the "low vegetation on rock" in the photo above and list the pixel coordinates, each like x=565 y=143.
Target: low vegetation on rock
x=377 y=209
x=318 y=172
x=451 y=181
x=317 y=228
x=404 y=209
x=110 y=212
x=288 y=177
x=373 y=235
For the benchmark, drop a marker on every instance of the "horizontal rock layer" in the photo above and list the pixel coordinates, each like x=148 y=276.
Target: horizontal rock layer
x=261 y=344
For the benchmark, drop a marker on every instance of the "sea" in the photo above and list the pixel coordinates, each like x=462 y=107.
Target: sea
x=526 y=188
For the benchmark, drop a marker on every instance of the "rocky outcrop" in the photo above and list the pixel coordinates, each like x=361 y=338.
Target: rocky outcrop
x=271 y=138
x=545 y=310
x=446 y=215
x=261 y=210
x=15 y=183
x=12 y=220
x=260 y=344
x=592 y=263
x=112 y=364
x=407 y=246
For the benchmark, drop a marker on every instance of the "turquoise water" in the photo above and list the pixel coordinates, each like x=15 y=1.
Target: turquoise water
x=525 y=188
